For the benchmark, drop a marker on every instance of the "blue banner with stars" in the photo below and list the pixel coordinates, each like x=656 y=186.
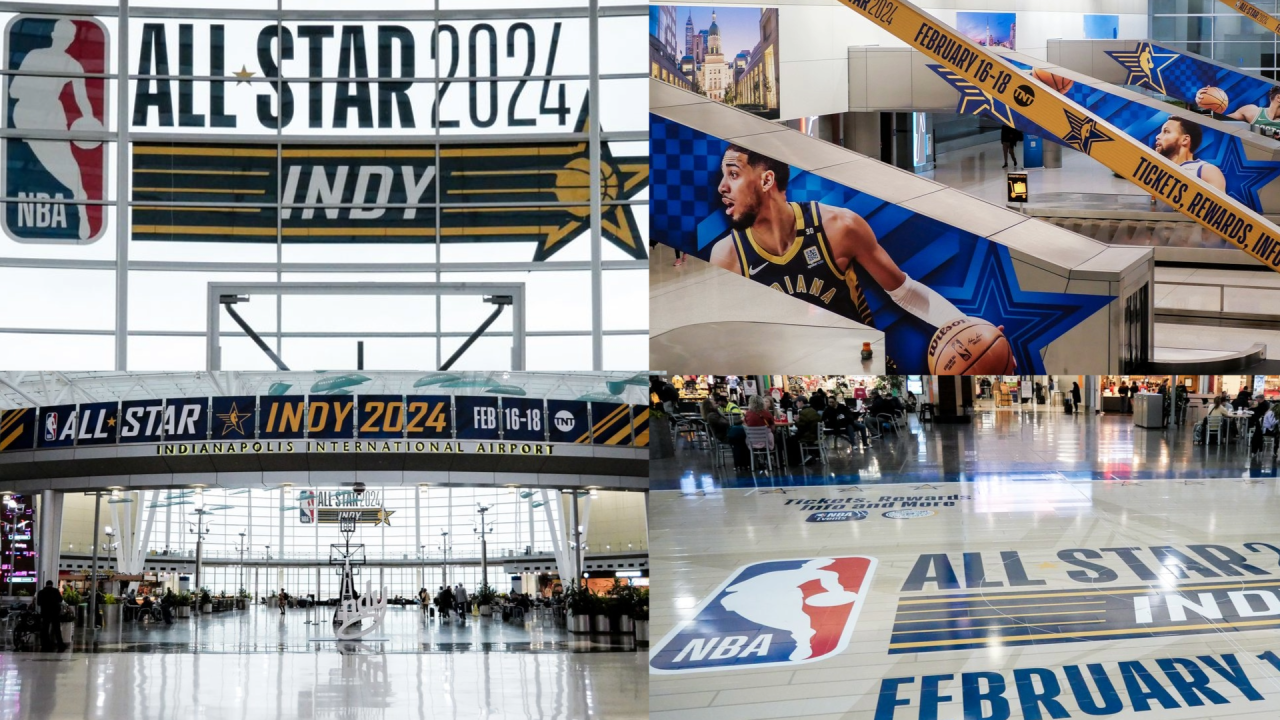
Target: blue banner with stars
x=688 y=212
x=1239 y=176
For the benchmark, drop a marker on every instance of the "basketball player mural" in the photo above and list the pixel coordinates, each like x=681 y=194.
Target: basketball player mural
x=1211 y=98
x=809 y=250
x=39 y=106
x=1178 y=140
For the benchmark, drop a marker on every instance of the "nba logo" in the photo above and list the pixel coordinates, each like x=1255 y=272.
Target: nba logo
x=41 y=172
x=51 y=426
x=779 y=613
x=308 y=509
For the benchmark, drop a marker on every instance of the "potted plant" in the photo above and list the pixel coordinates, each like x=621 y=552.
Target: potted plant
x=641 y=615
x=484 y=599
x=579 y=604
x=602 y=606
x=206 y=602
x=72 y=597
x=111 y=611
x=242 y=600
x=621 y=606
x=182 y=604
x=67 y=621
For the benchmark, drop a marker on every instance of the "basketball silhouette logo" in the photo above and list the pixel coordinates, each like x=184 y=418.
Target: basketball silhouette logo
x=1059 y=84
x=58 y=89
x=970 y=346
x=1212 y=98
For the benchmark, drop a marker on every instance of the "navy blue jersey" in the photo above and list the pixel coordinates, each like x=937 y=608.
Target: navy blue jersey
x=807 y=270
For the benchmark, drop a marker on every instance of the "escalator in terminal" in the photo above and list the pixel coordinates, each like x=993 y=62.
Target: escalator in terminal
x=954 y=284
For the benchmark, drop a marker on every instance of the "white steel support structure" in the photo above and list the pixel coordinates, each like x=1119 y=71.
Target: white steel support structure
x=516 y=291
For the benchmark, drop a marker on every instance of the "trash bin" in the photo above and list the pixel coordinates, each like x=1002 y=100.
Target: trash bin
x=1032 y=151
x=1051 y=154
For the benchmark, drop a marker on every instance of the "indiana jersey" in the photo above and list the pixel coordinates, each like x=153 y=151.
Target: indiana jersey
x=807 y=270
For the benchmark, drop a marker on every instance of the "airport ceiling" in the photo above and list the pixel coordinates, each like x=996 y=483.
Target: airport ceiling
x=31 y=389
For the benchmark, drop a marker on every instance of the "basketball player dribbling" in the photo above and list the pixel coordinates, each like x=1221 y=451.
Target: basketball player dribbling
x=810 y=248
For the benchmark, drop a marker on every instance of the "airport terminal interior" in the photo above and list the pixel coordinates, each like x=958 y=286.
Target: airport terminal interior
x=998 y=548
x=354 y=544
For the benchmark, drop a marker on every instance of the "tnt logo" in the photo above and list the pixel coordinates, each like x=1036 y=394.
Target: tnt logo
x=564 y=421
x=776 y=613
x=40 y=171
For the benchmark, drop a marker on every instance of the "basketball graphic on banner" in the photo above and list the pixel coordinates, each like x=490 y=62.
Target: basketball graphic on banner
x=1212 y=98
x=970 y=346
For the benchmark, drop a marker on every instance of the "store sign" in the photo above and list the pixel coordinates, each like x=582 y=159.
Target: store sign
x=327 y=423
x=17 y=545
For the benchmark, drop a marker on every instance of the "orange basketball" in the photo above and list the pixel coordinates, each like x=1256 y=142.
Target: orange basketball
x=1057 y=82
x=1212 y=98
x=970 y=346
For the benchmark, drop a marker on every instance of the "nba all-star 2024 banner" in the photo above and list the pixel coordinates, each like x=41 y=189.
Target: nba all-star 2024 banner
x=1208 y=206
x=376 y=423
x=1206 y=150
x=973 y=275
x=412 y=81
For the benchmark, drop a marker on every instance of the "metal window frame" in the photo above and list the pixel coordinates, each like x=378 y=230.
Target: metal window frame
x=213 y=353
x=122 y=13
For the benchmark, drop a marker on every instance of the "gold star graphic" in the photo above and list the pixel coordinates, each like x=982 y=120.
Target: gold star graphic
x=111 y=421
x=243 y=74
x=233 y=420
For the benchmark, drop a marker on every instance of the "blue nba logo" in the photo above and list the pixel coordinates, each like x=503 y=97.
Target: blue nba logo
x=38 y=171
x=770 y=614
x=51 y=426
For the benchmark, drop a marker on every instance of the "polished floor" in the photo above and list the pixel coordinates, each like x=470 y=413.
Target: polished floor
x=351 y=683
x=988 y=599
x=260 y=629
x=999 y=444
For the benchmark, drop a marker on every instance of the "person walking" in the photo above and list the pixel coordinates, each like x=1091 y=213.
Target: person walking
x=1075 y=395
x=282 y=599
x=444 y=602
x=423 y=599
x=49 y=600
x=1009 y=138
x=460 y=597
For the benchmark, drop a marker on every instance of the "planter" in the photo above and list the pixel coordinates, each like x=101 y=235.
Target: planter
x=241 y=603
x=207 y=608
x=642 y=631
x=183 y=611
x=111 y=616
x=68 y=628
x=600 y=623
x=661 y=445
x=82 y=611
x=579 y=623
x=486 y=610
x=623 y=625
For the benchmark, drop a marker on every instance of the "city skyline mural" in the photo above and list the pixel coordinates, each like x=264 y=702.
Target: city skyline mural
x=729 y=55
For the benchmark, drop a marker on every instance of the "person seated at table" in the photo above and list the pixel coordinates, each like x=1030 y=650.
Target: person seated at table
x=770 y=406
x=1255 y=422
x=807 y=422
x=1242 y=400
x=1220 y=408
x=729 y=407
x=1270 y=425
x=788 y=403
x=855 y=424
x=757 y=416
x=881 y=405
x=715 y=419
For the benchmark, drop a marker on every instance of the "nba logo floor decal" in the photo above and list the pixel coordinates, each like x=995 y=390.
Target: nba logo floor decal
x=41 y=172
x=770 y=614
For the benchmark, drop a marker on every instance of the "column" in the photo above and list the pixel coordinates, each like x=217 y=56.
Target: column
x=49 y=546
